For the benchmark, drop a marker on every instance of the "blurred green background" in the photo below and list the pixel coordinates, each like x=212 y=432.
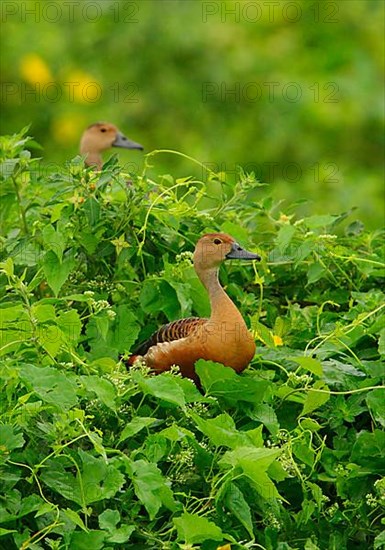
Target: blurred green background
x=290 y=90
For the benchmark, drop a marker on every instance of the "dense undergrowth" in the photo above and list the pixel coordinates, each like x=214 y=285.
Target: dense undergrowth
x=288 y=455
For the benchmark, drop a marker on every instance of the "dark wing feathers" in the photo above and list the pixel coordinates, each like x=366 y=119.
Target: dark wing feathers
x=170 y=332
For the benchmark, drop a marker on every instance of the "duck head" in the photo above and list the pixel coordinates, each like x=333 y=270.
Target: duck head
x=102 y=136
x=214 y=248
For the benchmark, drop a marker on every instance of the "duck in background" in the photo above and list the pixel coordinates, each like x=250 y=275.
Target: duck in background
x=99 y=137
x=223 y=337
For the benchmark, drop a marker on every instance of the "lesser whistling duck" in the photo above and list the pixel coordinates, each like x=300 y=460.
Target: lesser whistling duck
x=98 y=138
x=223 y=337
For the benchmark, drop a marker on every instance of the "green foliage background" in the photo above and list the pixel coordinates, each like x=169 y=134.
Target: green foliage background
x=289 y=455
x=167 y=51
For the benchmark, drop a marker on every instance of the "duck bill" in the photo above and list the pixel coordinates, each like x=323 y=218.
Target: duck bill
x=123 y=141
x=239 y=253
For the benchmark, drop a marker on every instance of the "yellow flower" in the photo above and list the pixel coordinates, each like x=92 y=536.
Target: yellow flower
x=66 y=128
x=83 y=88
x=277 y=340
x=34 y=69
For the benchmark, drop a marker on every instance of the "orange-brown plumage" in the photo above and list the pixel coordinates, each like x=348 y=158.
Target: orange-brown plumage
x=98 y=138
x=223 y=337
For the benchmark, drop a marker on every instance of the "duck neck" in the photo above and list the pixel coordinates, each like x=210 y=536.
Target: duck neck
x=94 y=159
x=222 y=308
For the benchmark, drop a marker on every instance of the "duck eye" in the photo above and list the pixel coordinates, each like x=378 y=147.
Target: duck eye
x=217 y=241
x=103 y=130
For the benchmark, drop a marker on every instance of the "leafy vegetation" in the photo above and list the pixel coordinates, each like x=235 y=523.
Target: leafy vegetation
x=288 y=455
x=291 y=90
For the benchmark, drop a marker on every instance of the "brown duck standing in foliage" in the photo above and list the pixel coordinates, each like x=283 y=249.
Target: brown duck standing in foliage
x=223 y=337
x=98 y=138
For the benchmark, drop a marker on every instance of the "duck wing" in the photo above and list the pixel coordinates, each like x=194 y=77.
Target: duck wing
x=176 y=330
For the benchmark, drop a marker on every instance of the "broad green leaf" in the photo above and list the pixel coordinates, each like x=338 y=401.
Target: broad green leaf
x=104 y=390
x=262 y=333
x=121 y=534
x=15 y=328
x=57 y=272
x=310 y=364
x=10 y=439
x=315 y=399
x=75 y=518
x=221 y=430
x=85 y=541
x=236 y=230
x=136 y=425
x=304 y=452
x=237 y=505
x=151 y=487
x=381 y=343
x=50 y=337
x=109 y=519
x=194 y=529
x=369 y=450
x=223 y=381
x=315 y=272
x=266 y=414
x=376 y=403
x=163 y=387
x=323 y=220
x=285 y=234
x=253 y=463
x=379 y=541
x=54 y=240
x=156 y=447
x=51 y=385
x=70 y=325
x=7 y=267
x=97 y=481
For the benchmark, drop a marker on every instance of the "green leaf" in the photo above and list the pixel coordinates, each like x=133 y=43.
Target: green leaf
x=369 y=450
x=379 y=541
x=314 y=399
x=223 y=381
x=194 y=529
x=104 y=390
x=75 y=518
x=237 y=505
x=323 y=220
x=10 y=439
x=57 y=272
x=109 y=519
x=151 y=487
x=50 y=385
x=15 y=329
x=312 y=365
x=381 y=343
x=262 y=333
x=136 y=425
x=221 y=430
x=253 y=463
x=70 y=325
x=163 y=387
x=54 y=240
x=285 y=234
x=86 y=541
x=315 y=272
x=4 y=532
x=95 y=481
x=376 y=403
